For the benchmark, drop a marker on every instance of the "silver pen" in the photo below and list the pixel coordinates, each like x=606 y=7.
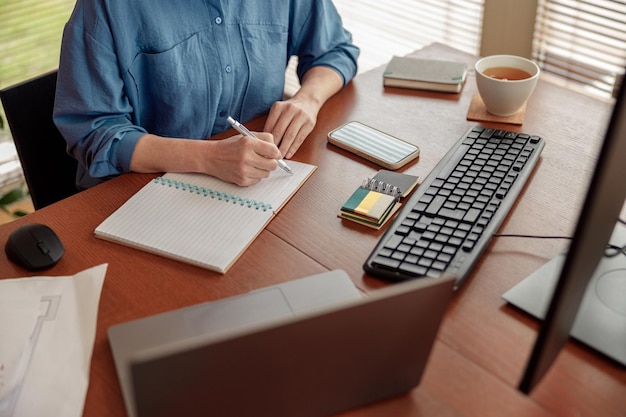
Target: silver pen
x=244 y=131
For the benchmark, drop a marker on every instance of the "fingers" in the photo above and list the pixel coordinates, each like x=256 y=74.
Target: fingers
x=248 y=172
x=260 y=152
x=290 y=123
x=294 y=136
x=265 y=137
x=243 y=160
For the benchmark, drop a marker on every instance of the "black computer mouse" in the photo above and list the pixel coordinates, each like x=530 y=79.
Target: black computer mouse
x=34 y=246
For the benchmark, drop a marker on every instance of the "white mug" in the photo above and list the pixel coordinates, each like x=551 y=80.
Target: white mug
x=503 y=96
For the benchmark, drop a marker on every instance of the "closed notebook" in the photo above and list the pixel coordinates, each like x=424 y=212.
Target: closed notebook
x=425 y=74
x=199 y=219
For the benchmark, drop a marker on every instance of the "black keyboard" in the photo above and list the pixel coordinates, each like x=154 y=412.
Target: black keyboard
x=447 y=223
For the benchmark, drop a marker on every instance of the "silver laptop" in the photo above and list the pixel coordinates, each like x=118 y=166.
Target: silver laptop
x=601 y=318
x=310 y=347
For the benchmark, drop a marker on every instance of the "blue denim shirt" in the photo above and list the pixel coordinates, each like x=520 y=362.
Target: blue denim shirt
x=178 y=68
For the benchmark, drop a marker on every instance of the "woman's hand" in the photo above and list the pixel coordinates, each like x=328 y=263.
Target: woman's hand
x=291 y=120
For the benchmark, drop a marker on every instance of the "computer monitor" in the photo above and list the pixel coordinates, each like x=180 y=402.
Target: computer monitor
x=598 y=217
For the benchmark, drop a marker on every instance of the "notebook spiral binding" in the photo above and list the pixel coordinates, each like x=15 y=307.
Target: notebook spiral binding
x=382 y=187
x=207 y=192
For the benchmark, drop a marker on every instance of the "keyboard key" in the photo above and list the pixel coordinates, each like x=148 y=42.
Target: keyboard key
x=450 y=218
x=385 y=262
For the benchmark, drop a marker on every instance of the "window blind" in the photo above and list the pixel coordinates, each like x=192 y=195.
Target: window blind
x=383 y=29
x=30 y=37
x=582 y=42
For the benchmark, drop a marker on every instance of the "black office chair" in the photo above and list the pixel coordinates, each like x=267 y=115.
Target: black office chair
x=49 y=171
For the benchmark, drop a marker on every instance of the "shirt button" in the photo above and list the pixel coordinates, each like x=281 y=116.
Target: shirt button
x=218 y=20
x=222 y=113
x=228 y=68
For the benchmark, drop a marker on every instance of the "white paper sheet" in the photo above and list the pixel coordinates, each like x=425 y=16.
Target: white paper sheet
x=47 y=332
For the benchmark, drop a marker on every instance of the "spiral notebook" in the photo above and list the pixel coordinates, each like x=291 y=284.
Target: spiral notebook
x=378 y=198
x=199 y=219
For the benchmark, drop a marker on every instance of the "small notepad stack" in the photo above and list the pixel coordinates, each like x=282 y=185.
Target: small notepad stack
x=378 y=198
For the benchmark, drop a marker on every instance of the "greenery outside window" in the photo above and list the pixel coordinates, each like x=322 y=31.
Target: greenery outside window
x=30 y=37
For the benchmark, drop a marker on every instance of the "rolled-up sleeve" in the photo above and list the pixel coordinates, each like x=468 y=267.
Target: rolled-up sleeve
x=91 y=109
x=321 y=40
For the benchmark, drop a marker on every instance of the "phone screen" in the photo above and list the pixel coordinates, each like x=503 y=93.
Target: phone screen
x=373 y=145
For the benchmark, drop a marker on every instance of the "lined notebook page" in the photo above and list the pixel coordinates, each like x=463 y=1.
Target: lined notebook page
x=200 y=219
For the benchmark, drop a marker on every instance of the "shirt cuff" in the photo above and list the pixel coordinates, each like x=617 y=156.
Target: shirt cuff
x=124 y=148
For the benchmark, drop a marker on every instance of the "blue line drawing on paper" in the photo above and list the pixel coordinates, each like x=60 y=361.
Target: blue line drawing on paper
x=49 y=307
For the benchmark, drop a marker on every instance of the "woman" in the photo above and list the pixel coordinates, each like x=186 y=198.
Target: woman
x=141 y=81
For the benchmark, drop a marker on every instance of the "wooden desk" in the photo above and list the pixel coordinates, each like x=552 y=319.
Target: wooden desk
x=483 y=344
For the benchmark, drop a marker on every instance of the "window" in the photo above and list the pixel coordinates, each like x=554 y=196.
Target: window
x=582 y=43
x=30 y=37
x=30 y=42
x=383 y=29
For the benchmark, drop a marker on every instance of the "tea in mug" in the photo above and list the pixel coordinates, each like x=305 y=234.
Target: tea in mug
x=506 y=73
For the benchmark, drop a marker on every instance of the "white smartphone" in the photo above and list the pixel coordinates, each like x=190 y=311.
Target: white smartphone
x=374 y=145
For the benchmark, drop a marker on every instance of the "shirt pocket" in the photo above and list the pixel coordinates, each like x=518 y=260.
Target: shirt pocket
x=265 y=49
x=172 y=90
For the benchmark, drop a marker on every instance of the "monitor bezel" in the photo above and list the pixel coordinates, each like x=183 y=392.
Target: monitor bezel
x=601 y=209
